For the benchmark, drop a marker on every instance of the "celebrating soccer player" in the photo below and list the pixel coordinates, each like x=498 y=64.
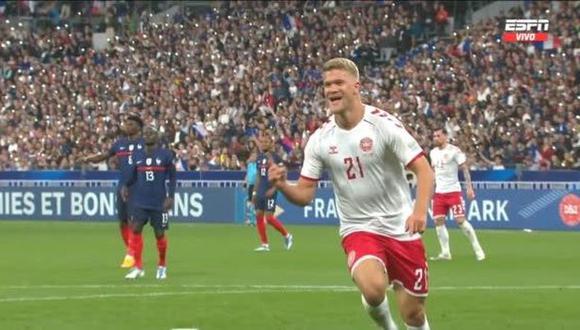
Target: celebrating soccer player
x=151 y=198
x=446 y=160
x=366 y=151
x=123 y=149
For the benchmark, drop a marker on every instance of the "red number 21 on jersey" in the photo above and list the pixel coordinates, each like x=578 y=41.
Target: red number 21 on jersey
x=351 y=166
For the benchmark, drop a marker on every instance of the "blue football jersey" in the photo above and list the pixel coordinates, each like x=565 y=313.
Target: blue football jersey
x=124 y=149
x=149 y=174
x=263 y=163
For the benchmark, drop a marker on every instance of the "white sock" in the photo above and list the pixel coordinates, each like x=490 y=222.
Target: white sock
x=380 y=314
x=443 y=236
x=425 y=326
x=468 y=230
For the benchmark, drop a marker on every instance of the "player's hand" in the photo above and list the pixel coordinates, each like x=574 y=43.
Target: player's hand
x=124 y=193
x=416 y=223
x=470 y=193
x=167 y=204
x=253 y=199
x=277 y=175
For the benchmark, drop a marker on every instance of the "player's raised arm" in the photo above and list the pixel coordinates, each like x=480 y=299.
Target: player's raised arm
x=101 y=156
x=97 y=158
x=300 y=193
x=303 y=192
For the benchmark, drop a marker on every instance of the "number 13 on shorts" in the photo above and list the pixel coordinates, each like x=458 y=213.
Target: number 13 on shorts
x=421 y=279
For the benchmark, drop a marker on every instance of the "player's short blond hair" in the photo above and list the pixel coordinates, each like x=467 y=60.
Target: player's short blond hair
x=341 y=63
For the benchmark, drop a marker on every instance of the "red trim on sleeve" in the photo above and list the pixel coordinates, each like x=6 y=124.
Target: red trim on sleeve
x=308 y=178
x=151 y=168
x=422 y=153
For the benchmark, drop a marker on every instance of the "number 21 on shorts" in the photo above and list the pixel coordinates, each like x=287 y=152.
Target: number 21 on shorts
x=421 y=277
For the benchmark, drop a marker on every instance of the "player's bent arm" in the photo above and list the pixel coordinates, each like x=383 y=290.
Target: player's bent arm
x=97 y=158
x=466 y=175
x=425 y=180
x=301 y=193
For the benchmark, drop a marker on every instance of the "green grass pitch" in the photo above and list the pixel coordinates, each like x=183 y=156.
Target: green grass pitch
x=66 y=275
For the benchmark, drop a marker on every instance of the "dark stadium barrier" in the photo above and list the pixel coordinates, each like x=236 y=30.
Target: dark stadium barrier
x=507 y=205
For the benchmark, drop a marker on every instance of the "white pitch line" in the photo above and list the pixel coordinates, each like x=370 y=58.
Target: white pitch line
x=130 y=285
x=161 y=294
x=254 y=289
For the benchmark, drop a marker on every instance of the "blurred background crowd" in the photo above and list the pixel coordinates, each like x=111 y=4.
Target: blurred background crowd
x=210 y=77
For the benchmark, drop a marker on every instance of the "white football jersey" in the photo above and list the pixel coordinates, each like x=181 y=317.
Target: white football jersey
x=446 y=163
x=366 y=165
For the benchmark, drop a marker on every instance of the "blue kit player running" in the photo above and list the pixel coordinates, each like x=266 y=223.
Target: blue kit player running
x=264 y=196
x=123 y=149
x=151 y=198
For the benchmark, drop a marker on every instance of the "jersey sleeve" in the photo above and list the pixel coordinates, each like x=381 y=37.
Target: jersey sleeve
x=313 y=166
x=460 y=157
x=113 y=149
x=403 y=145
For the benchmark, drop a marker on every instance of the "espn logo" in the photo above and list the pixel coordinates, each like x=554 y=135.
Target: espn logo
x=525 y=30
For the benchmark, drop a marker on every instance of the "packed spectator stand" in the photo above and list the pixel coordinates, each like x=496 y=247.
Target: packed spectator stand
x=211 y=79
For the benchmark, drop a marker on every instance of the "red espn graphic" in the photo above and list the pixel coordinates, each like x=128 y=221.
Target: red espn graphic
x=524 y=36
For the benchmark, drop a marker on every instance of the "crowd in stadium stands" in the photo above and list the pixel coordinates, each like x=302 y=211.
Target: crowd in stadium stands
x=210 y=82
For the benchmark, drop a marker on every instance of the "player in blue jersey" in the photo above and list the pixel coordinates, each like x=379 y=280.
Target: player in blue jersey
x=264 y=196
x=151 y=198
x=251 y=173
x=123 y=149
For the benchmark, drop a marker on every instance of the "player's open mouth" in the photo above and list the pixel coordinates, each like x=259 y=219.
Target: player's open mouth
x=335 y=99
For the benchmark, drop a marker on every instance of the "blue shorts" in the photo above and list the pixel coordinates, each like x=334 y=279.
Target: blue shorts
x=266 y=204
x=157 y=219
x=123 y=209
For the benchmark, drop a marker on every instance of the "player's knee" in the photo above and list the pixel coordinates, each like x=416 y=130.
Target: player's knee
x=459 y=220
x=414 y=316
x=440 y=221
x=373 y=296
x=374 y=291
